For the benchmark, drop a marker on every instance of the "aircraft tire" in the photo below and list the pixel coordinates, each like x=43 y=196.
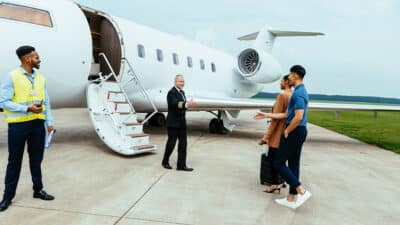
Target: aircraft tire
x=216 y=126
x=158 y=120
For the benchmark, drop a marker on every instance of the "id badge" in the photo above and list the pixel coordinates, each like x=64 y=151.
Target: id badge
x=33 y=92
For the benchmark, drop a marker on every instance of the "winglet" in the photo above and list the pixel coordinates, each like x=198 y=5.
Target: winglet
x=248 y=37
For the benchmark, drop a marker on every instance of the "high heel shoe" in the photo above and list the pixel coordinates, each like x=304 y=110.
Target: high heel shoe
x=271 y=189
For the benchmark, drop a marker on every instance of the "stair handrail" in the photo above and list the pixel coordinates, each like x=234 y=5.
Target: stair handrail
x=142 y=89
x=117 y=81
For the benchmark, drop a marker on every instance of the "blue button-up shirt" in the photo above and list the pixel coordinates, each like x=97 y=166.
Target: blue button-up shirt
x=299 y=100
x=7 y=93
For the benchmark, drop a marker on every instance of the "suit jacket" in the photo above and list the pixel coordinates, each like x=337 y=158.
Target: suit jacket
x=176 y=109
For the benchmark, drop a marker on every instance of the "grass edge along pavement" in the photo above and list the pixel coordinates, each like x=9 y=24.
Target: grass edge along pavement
x=382 y=131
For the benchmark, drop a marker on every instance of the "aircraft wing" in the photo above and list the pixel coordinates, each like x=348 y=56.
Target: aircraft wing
x=352 y=106
x=209 y=104
x=206 y=103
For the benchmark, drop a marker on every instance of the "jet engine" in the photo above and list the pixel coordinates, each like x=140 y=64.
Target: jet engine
x=258 y=66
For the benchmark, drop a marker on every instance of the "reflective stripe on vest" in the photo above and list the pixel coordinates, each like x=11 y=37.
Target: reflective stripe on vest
x=26 y=94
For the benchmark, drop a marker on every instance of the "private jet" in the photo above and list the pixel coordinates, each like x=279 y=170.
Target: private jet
x=117 y=68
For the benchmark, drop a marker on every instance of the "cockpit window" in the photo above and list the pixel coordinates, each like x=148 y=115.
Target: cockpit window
x=25 y=14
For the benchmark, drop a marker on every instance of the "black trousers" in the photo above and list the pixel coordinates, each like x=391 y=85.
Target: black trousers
x=276 y=178
x=31 y=132
x=173 y=135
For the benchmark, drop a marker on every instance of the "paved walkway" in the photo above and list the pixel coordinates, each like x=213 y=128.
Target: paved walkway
x=352 y=182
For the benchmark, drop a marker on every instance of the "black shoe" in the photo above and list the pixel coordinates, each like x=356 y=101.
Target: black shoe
x=4 y=204
x=43 y=195
x=167 y=166
x=185 y=169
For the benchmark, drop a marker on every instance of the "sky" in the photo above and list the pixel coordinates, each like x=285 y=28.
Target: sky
x=359 y=55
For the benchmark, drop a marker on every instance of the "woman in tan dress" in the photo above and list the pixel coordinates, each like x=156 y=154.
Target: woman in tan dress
x=275 y=129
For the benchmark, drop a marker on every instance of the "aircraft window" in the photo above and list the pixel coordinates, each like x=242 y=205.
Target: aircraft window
x=141 y=52
x=213 y=68
x=25 y=14
x=202 y=65
x=175 y=58
x=189 y=62
x=160 y=56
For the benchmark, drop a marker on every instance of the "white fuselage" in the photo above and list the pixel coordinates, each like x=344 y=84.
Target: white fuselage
x=65 y=49
x=67 y=53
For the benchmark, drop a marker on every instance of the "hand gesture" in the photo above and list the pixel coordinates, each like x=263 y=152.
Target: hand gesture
x=191 y=103
x=259 y=116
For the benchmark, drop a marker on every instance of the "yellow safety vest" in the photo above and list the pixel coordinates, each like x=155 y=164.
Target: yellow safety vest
x=26 y=94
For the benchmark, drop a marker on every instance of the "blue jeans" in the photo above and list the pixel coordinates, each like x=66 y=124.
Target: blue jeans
x=290 y=151
x=33 y=133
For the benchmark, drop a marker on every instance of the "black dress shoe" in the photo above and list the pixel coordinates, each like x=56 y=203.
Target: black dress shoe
x=4 y=204
x=43 y=195
x=185 y=169
x=167 y=166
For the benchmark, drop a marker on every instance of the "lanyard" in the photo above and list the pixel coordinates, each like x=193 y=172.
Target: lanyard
x=32 y=91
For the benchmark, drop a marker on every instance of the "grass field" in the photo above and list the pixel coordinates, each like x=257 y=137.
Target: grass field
x=383 y=131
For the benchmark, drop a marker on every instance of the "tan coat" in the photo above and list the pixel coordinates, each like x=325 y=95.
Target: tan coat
x=276 y=127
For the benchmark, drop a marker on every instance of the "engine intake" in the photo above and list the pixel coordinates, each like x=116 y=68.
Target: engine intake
x=258 y=66
x=249 y=62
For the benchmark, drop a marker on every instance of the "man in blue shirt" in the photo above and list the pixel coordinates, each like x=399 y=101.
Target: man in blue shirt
x=292 y=140
x=26 y=104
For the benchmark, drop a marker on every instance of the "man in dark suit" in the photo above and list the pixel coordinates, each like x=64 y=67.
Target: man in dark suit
x=176 y=124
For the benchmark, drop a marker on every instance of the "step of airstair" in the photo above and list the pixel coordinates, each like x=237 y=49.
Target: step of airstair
x=115 y=96
x=115 y=121
x=143 y=147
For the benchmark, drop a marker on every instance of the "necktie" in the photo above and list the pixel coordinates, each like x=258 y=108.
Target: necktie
x=183 y=94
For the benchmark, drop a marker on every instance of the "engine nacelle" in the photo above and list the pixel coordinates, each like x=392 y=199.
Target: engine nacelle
x=258 y=66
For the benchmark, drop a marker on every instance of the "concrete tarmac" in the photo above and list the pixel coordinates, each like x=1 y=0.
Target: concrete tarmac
x=351 y=182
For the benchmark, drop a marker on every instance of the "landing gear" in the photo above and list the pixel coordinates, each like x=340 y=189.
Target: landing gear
x=158 y=120
x=216 y=125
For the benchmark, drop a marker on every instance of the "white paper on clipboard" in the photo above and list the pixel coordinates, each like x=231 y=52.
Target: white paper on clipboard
x=49 y=137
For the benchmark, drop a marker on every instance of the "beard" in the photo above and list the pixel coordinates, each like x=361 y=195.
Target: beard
x=36 y=65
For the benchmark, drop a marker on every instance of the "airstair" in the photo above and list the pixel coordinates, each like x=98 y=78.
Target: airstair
x=112 y=113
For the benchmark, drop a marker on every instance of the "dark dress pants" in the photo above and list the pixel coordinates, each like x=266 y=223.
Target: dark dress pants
x=173 y=135
x=33 y=133
x=290 y=151
x=276 y=178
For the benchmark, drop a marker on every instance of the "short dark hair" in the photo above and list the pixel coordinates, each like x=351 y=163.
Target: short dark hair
x=24 y=50
x=299 y=70
x=286 y=77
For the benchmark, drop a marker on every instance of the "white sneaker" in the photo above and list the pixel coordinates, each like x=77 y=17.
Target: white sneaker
x=301 y=198
x=285 y=202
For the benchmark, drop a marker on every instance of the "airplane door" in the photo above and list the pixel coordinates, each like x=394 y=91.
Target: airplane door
x=105 y=39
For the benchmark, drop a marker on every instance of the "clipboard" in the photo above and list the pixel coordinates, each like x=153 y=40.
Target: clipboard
x=49 y=138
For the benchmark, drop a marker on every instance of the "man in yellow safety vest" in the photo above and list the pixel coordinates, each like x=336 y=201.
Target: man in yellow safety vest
x=26 y=104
